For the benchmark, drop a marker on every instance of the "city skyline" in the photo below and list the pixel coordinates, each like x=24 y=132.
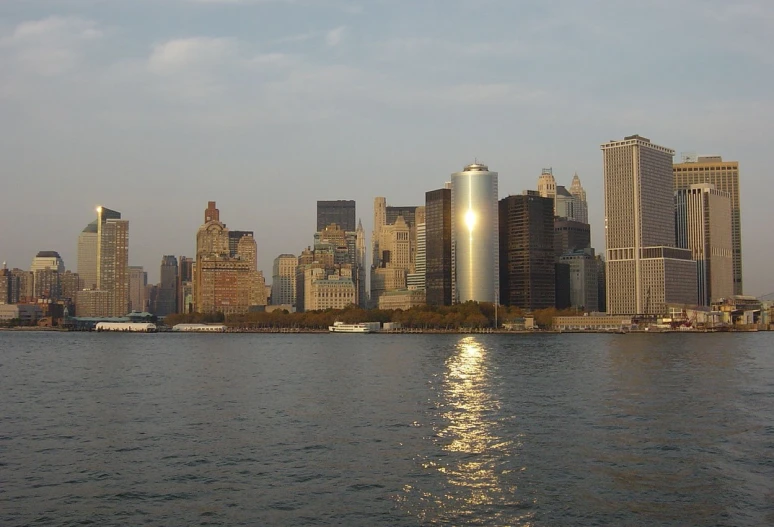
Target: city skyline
x=268 y=117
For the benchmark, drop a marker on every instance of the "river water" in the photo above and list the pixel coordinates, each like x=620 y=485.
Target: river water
x=238 y=429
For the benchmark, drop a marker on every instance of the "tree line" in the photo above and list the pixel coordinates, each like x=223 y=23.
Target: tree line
x=470 y=315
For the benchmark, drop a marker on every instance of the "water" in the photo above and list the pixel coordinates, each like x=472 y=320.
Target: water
x=170 y=429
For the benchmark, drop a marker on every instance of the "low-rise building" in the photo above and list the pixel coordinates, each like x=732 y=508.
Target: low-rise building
x=402 y=299
x=24 y=314
x=592 y=323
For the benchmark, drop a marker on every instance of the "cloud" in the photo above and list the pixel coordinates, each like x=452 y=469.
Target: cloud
x=186 y=53
x=50 y=46
x=335 y=36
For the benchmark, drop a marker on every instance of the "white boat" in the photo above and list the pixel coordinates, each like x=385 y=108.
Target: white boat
x=362 y=327
x=200 y=328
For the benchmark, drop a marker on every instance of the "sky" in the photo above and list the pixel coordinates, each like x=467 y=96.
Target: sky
x=154 y=107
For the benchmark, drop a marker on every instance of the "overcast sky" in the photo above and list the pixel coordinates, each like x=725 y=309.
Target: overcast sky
x=154 y=107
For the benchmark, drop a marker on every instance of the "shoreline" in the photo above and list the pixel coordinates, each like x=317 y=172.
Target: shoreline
x=299 y=331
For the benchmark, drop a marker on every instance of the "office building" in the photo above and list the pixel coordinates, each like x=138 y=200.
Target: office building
x=581 y=207
x=166 y=299
x=394 y=244
x=724 y=175
x=568 y=204
x=87 y=249
x=526 y=237
x=438 y=266
x=283 y=281
x=475 y=258
x=416 y=280
x=185 y=284
x=138 y=284
x=583 y=276
x=46 y=269
x=645 y=271
x=570 y=236
x=113 y=260
x=224 y=283
x=341 y=212
x=233 y=240
x=5 y=284
x=703 y=221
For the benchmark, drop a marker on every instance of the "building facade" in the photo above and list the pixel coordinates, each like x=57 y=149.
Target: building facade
x=724 y=175
x=224 y=283
x=645 y=271
x=570 y=236
x=138 y=284
x=341 y=212
x=526 y=237
x=166 y=300
x=283 y=282
x=113 y=260
x=474 y=212
x=438 y=266
x=703 y=222
x=583 y=276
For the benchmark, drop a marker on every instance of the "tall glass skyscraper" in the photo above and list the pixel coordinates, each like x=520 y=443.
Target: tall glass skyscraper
x=475 y=248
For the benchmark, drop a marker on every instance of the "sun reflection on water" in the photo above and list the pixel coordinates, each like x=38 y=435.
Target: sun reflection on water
x=477 y=464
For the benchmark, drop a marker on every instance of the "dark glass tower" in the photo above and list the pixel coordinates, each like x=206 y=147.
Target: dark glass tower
x=527 y=271
x=341 y=212
x=166 y=299
x=438 y=257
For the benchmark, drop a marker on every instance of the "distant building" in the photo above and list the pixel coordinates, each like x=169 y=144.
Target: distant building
x=416 y=280
x=24 y=314
x=166 y=302
x=185 y=285
x=340 y=212
x=224 y=283
x=402 y=299
x=725 y=176
x=703 y=218
x=581 y=207
x=328 y=291
x=583 y=276
x=93 y=303
x=283 y=281
x=601 y=285
x=568 y=204
x=47 y=268
x=71 y=283
x=475 y=259
x=570 y=236
x=113 y=260
x=645 y=271
x=233 y=240
x=438 y=266
x=138 y=283
x=394 y=243
x=527 y=272
x=5 y=284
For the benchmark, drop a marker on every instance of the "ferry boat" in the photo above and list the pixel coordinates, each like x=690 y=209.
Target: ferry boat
x=362 y=327
x=200 y=328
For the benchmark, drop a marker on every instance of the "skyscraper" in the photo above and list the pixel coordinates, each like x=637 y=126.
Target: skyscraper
x=527 y=273
x=233 y=240
x=341 y=212
x=704 y=226
x=475 y=245
x=166 y=298
x=283 y=281
x=47 y=268
x=87 y=250
x=113 y=260
x=645 y=271
x=138 y=285
x=725 y=176
x=185 y=284
x=438 y=266
x=222 y=282
x=581 y=207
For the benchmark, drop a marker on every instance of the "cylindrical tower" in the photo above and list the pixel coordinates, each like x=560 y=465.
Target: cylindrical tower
x=475 y=245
